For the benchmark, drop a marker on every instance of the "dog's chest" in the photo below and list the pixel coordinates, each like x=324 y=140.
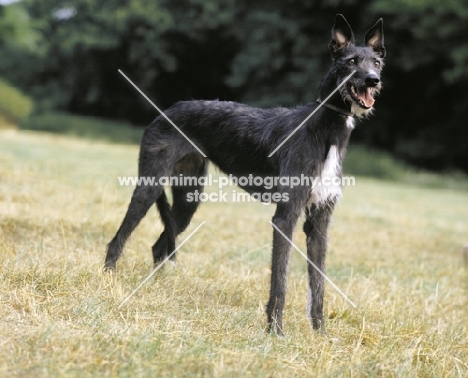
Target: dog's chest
x=327 y=184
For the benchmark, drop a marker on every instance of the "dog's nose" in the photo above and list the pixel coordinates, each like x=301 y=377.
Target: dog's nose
x=372 y=80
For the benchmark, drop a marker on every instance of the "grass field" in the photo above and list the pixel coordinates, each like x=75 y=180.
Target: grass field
x=395 y=249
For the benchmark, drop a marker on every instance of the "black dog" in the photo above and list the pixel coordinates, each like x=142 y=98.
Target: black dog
x=239 y=140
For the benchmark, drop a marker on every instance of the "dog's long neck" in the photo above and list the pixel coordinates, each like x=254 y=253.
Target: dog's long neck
x=327 y=86
x=342 y=124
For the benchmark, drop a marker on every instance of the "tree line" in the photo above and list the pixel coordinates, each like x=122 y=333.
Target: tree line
x=65 y=54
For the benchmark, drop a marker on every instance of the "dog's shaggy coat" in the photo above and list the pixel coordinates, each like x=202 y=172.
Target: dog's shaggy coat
x=238 y=139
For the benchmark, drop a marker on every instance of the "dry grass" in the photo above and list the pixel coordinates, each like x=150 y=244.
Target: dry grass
x=396 y=251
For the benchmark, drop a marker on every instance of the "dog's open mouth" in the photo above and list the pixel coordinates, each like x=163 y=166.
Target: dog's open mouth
x=364 y=96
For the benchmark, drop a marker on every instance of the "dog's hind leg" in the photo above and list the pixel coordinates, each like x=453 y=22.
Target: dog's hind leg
x=160 y=248
x=189 y=169
x=142 y=199
x=316 y=228
x=155 y=161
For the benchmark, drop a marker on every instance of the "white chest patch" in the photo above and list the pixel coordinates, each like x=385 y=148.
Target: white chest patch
x=350 y=123
x=327 y=185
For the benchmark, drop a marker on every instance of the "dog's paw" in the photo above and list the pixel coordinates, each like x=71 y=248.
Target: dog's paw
x=109 y=267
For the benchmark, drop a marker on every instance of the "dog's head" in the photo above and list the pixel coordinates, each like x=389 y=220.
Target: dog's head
x=368 y=60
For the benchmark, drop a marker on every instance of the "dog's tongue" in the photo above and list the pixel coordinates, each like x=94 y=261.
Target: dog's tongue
x=365 y=95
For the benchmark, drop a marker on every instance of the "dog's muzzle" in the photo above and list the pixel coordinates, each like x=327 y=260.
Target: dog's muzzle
x=364 y=95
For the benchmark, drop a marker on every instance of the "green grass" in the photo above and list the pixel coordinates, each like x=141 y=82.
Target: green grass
x=84 y=127
x=362 y=161
x=395 y=249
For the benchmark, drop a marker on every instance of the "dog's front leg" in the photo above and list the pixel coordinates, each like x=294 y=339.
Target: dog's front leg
x=316 y=227
x=285 y=218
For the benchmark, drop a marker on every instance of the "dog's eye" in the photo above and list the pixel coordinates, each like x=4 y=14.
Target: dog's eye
x=377 y=64
x=352 y=61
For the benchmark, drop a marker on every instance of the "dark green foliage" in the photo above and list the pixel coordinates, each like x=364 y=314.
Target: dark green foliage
x=14 y=105
x=361 y=161
x=424 y=116
x=66 y=55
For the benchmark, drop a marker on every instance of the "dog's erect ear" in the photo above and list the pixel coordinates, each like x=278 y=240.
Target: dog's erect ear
x=375 y=38
x=342 y=35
